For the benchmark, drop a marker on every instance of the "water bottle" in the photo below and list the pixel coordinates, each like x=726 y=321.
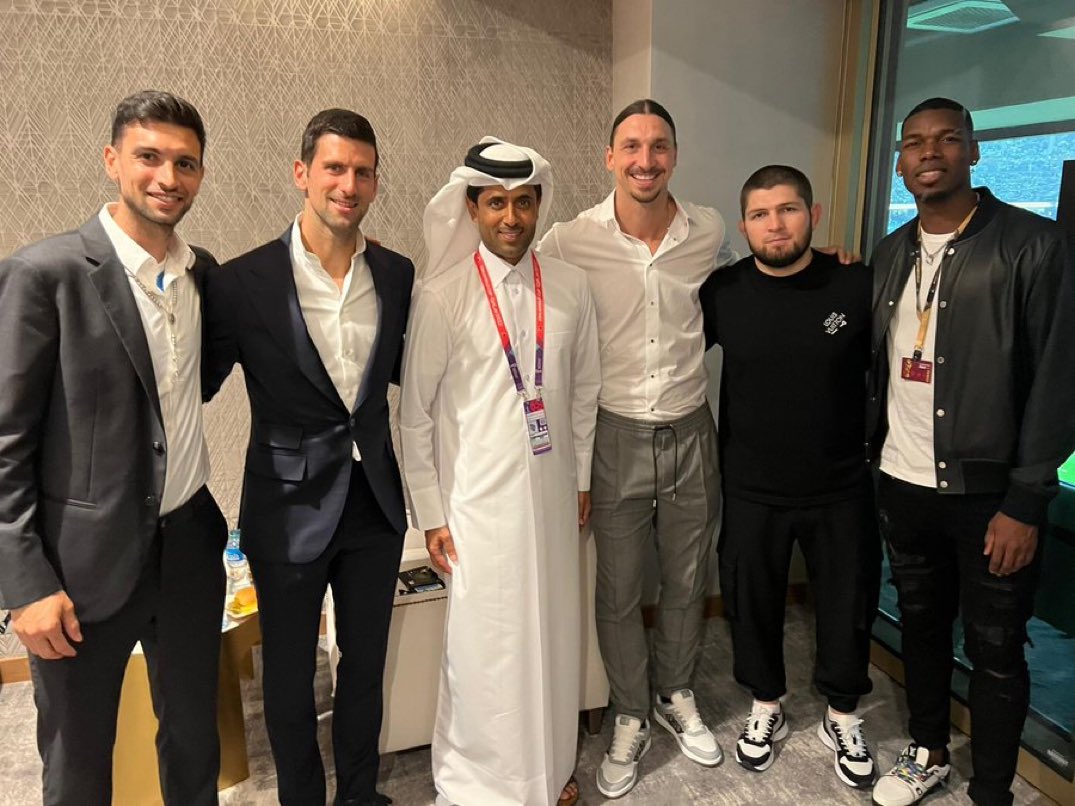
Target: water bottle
x=239 y=578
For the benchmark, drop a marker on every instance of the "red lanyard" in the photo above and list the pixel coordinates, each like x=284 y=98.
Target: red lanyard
x=502 y=330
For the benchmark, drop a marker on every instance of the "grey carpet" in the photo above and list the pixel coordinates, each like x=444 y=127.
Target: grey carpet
x=802 y=774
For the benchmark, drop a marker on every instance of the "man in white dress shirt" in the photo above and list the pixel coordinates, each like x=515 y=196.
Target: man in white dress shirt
x=108 y=534
x=655 y=474
x=497 y=419
x=316 y=318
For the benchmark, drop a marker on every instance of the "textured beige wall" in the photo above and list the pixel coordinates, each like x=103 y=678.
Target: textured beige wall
x=433 y=76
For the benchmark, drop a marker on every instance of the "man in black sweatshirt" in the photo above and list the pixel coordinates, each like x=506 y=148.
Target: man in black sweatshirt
x=794 y=326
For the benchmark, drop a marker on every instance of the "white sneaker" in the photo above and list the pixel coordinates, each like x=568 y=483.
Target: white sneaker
x=851 y=757
x=679 y=716
x=618 y=772
x=910 y=780
x=765 y=726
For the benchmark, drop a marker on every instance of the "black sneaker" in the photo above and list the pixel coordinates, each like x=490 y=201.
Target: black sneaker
x=851 y=757
x=754 y=749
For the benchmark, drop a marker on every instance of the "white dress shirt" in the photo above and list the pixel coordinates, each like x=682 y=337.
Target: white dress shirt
x=342 y=322
x=649 y=321
x=176 y=351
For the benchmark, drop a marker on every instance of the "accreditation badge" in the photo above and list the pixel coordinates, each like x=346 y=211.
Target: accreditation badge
x=537 y=424
x=918 y=371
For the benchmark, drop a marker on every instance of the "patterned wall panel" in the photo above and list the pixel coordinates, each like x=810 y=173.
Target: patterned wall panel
x=433 y=76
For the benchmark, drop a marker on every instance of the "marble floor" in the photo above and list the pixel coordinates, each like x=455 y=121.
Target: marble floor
x=802 y=774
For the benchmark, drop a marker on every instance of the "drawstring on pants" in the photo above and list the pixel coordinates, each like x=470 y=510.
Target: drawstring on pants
x=675 y=462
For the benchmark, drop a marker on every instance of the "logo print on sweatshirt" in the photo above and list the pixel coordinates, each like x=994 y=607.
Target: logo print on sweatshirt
x=833 y=322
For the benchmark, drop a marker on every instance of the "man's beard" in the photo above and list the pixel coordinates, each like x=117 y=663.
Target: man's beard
x=781 y=260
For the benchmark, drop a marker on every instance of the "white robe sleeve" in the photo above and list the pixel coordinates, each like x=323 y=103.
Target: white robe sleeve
x=425 y=358
x=586 y=383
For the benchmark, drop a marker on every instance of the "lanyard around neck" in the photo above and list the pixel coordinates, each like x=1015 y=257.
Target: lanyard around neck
x=924 y=309
x=502 y=330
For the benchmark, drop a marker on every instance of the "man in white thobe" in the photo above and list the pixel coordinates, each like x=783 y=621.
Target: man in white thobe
x=499 y=402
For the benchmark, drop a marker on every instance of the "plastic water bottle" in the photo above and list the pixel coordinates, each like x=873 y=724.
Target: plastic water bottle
x=237 y=569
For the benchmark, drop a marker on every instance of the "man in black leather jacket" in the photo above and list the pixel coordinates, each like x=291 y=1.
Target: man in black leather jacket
x=972 y=409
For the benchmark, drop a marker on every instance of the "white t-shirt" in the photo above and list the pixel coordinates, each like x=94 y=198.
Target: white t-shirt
x=908 y=450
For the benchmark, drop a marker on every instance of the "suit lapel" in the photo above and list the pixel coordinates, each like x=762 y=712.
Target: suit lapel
x=277 y=301
x=382 y=281
x=109 y=278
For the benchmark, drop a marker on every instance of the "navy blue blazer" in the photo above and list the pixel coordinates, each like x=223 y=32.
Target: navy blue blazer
x=298 y=462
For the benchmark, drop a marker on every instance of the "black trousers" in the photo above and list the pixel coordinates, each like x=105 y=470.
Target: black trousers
x=935 y=546
x=843 y=559
x=360 y=563
x=175 y=612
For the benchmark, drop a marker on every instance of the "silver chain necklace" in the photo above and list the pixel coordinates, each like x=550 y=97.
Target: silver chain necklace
x=169 y=314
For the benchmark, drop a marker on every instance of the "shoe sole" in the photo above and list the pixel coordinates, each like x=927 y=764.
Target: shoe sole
x=780 y=735
x=634 y=779
x=936 y=789
x=705 y=762
x=829 y=743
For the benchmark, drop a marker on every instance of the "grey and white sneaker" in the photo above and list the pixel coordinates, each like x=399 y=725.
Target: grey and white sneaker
x=679 y=716
x=618 y=772
x=754 y=749
x=911 y=779
x=851 y=757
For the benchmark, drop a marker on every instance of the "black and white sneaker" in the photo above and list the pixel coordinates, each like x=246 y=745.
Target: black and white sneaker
x=754 y=749
x=851 y=757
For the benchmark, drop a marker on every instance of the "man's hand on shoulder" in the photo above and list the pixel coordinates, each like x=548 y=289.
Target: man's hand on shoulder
x=843 y=255
x=1009 y=544
x=441 y=548
x=47 y=627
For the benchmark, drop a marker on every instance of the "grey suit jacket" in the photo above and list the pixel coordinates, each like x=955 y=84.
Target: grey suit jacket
x=82 y=444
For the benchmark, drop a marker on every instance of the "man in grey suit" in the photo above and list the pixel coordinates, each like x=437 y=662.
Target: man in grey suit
x=108 y=535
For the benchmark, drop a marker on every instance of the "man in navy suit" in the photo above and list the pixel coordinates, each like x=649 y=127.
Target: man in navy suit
x=316 y=319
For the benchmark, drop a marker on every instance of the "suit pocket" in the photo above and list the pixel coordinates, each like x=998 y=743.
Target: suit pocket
x=276 y=464
x=276 y=436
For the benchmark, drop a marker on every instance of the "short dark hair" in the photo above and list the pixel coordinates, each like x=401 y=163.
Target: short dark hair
x=644 y=106
x=474 y=191
x=942 y=103
x=160 y=107
x=342 y=122
x=772 y=175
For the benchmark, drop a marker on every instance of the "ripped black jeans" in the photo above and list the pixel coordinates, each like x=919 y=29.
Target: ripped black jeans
x=934 y=545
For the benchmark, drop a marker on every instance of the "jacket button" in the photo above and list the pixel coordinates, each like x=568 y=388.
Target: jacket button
x=891 y=303
x=940 y=412
x=158 y=448
x=151 y=500
x=944 y=485
x=940 y=359
x=943 y=303
x=942 y=465
x=351 y=422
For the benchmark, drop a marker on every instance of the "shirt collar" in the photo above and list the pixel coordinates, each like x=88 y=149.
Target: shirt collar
x=303 y=257
x=606 y=214
x=499 y=268
x=137 y=261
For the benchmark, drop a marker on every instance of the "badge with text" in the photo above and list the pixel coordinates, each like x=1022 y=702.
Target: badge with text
x=537 y=425
x=916 y=370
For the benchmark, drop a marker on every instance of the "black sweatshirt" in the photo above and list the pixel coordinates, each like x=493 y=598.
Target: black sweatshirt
x=793 y=385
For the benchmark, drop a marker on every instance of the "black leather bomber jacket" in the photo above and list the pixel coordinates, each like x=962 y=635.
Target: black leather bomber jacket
x=1004 y=365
